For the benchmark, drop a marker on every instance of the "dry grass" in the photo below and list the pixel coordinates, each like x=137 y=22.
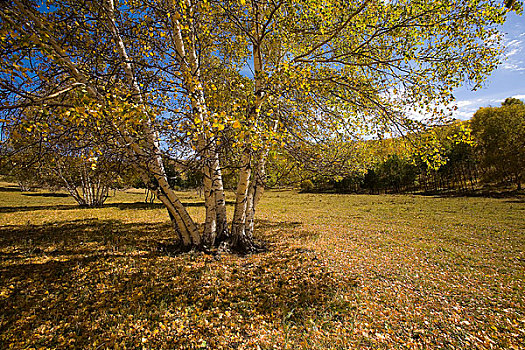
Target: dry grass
x=341 y=272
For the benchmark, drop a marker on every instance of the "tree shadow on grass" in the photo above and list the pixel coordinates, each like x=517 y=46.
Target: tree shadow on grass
x=51 y=194
x=95 y=283
x=10 y=189
x=121 y=206
x=12 y=209
x=518 y=200
x=488 y=192
x=75 y=234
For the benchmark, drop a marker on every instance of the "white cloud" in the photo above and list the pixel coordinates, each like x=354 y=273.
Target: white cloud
x=514 y=52
x=515 y=67
x=466 y=103
x=467 y=108
x=519 y=97
x=464 y=115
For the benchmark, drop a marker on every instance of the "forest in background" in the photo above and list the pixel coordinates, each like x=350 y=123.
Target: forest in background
x=483 y=155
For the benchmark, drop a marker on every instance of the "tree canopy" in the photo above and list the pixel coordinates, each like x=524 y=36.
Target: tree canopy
x=224 y=82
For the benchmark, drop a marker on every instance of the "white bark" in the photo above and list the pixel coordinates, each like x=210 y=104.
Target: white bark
x=255 y=193
x=239 y=214
x=258 y=184
x=244 y=197
x=210 y=224
x=222 y=220
x=213 y=188
x=178 y=213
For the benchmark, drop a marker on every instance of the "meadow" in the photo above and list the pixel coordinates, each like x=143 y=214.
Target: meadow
x=339 y=272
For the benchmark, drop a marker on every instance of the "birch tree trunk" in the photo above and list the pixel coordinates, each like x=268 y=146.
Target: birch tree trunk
x=215 y=223
x=241 y=238
x=222 y=220
x=256 y=191
x=258 y=184
x=181 y=219
x=239 y=241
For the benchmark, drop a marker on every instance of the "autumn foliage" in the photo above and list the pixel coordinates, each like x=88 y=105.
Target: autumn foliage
x=341 y=272
x=222 y=84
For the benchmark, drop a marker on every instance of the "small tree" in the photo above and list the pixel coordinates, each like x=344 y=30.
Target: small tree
x=21 y=169
x=64 y=147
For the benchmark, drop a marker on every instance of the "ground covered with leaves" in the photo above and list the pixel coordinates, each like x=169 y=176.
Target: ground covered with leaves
x=340 y=272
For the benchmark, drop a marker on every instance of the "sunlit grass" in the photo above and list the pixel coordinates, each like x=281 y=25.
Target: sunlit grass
x=341 y=272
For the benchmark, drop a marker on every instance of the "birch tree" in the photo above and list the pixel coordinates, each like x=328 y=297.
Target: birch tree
x=250 y=75
x=65 y=147
x=329 y=68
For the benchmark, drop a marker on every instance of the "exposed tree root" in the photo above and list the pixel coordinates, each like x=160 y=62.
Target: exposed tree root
x=226 y=246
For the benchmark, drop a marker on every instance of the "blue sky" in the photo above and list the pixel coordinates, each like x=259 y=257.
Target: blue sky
x=506 y=81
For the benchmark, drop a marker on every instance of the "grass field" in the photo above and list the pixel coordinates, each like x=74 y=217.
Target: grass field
x=341 y=272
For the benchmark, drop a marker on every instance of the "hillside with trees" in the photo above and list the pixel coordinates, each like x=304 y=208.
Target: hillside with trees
x=476 y=156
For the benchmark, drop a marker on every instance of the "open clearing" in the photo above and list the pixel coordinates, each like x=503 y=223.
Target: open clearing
x=341 y=272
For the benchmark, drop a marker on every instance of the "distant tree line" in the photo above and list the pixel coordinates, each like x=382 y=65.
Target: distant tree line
x=492 y=153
